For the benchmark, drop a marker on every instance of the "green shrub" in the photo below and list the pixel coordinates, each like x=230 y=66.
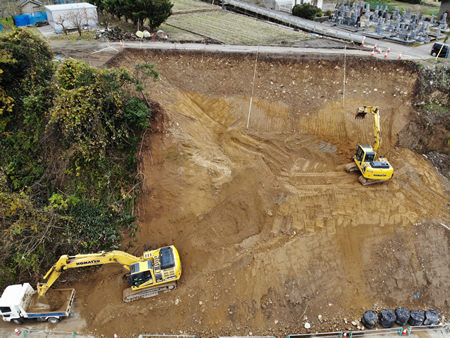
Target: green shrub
x=69 y=135
x=137 y=112
x=306 y=11
x=328 y=13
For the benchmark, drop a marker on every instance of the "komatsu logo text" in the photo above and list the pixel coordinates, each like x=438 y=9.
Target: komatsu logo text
x=89 y=262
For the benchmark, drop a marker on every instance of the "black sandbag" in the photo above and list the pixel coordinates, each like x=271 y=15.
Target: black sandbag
x=431 y=317
x=370 y=319
x=402 y=316
x=387 y=318
x=416 y=318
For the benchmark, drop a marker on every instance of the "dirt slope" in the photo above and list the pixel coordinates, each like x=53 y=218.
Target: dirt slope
x=271 y=231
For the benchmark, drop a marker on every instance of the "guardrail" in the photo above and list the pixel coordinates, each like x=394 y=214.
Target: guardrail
x=296 y=22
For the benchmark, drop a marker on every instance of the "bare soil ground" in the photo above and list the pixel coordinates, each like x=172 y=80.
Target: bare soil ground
x=272 y=232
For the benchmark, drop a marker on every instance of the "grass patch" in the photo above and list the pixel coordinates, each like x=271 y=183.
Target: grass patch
x=432 y=11
x=436 y=108
x=177 y=34
x=243 y=31
x=7 y=24
x=183 y=5
x=73 y=36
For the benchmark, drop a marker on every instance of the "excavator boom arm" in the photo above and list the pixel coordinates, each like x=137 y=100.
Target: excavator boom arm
x=68 y=262
x=376 y=129
x=375 y=111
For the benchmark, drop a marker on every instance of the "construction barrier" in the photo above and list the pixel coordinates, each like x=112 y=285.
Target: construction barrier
x=444 y=329
x=50 y=333
x=164 y=335
x=248 y=337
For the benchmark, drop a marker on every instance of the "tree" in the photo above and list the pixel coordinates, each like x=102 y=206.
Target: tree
x=62 y=21
x=10 y=8
x=99 y=4
x=142 y=72
x=79 y=18
x=6 y=101
x=68 y=167
x=155 y=11
x=113 y=7
x=26 y=81
x=104 y=18
x=306 y=11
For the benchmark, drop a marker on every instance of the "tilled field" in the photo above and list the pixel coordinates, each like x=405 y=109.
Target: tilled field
x=272 y=232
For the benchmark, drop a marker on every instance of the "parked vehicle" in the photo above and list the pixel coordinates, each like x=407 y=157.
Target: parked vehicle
x=20 y=303
x=444 y=53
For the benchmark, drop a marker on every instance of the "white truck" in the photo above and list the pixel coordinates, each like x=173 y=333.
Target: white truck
x=20 y=303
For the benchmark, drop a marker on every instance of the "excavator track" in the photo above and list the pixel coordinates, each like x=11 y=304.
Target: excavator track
x=365 y=181
x=351 y=168
x=129 y=295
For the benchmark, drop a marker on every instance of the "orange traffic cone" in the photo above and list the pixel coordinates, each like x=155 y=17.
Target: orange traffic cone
x=389 y=50
x=400 y=56
x=17 y=331
x=404 y=332
x=121 y=43
x=371 y=54
x=362 y=43
x=375 y=47
x=116 y=336
x=379 y=50
x=385 y=55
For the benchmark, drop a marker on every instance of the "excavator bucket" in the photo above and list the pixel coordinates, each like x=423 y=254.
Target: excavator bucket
x=360 y=113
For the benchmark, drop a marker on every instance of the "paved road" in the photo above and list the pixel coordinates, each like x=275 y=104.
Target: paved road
x=115 y=47
x=407 y=53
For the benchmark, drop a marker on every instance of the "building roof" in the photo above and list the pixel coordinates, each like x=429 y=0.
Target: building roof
x=54 y=8
x=24 y=2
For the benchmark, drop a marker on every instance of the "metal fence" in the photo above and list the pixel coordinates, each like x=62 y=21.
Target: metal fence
x=165 y=336
x=31 y=333
x=248 y=337
x=401 y=331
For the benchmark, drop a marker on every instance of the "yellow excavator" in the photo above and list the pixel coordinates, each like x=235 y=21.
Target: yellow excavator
x=374 y=168
x=153 y=272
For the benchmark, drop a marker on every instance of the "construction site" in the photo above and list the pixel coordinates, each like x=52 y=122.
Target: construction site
x=243 y=173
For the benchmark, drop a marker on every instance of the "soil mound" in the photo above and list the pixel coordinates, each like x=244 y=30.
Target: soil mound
x=54 y=299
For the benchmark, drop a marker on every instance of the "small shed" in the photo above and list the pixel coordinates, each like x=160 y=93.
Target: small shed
x=30 y=6
x=72 y=14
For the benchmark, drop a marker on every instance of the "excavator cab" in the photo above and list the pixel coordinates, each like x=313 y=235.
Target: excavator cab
x=158 y=267
x=141 y=273
x=364 y=154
